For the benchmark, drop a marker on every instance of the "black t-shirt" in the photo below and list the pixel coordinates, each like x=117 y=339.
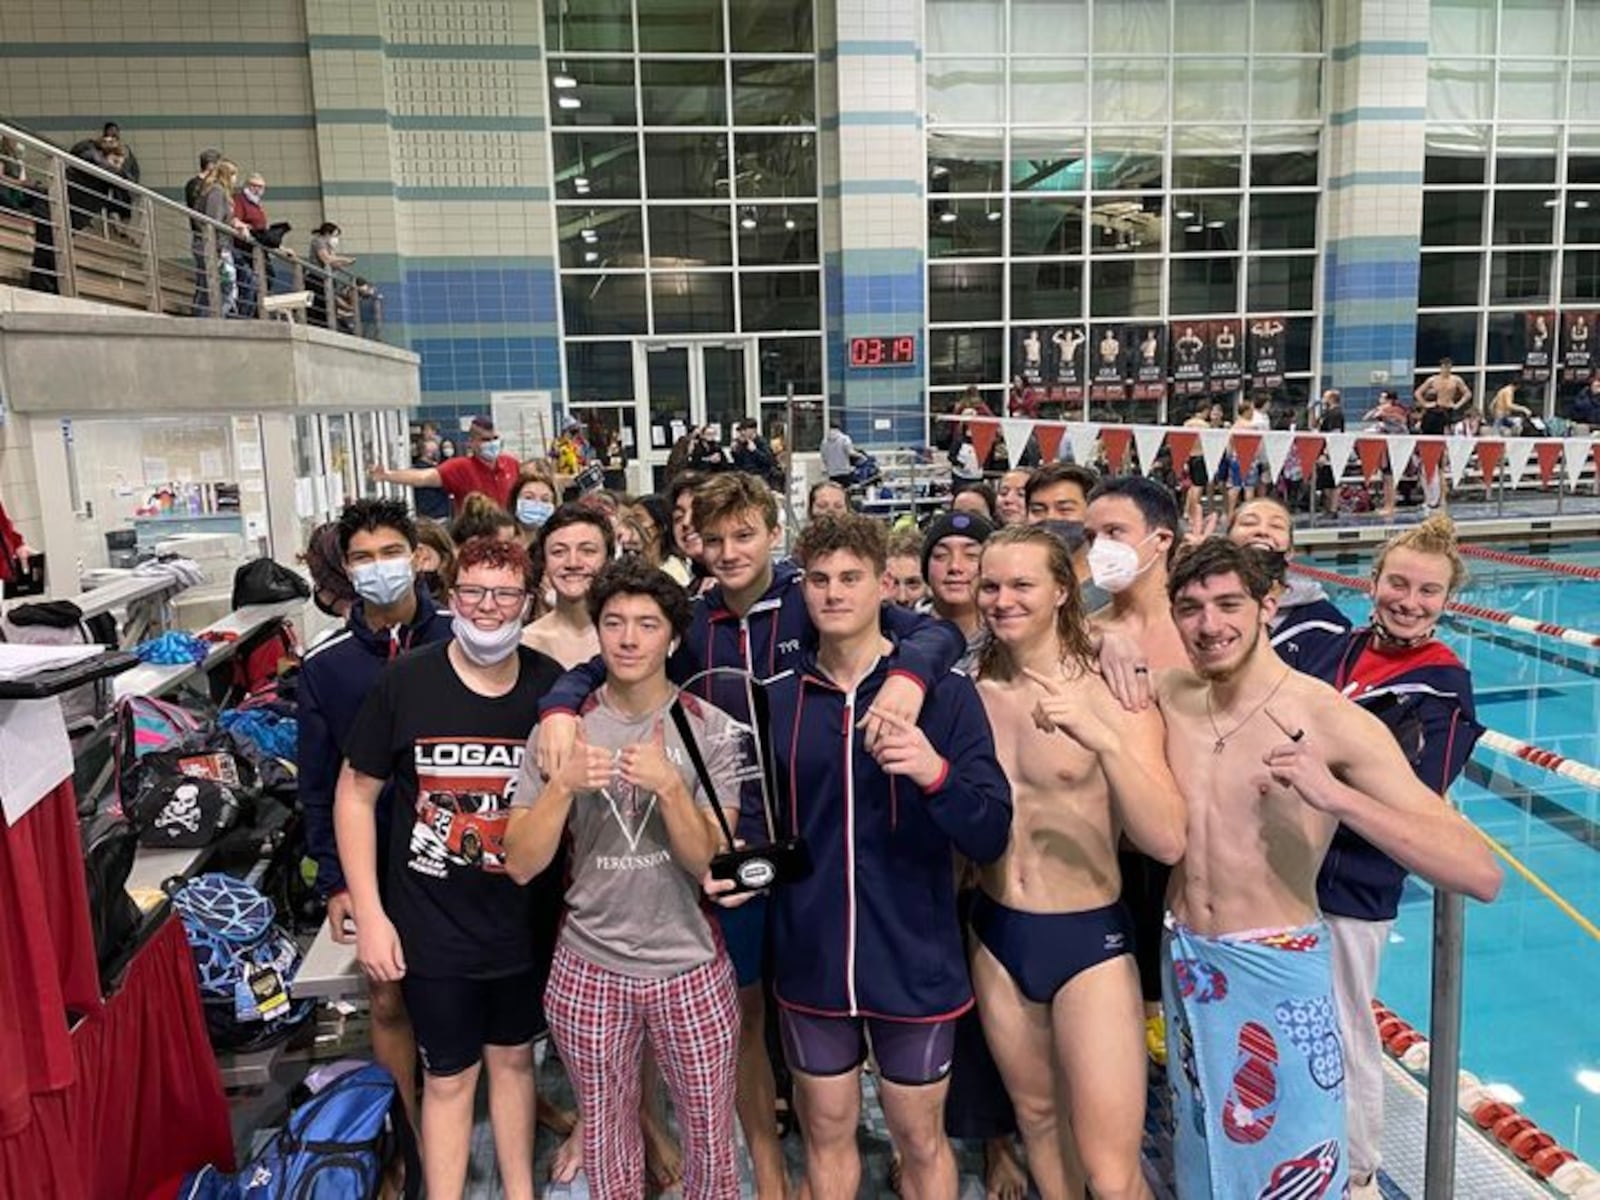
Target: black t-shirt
x=454 y=757
x=1332 y=420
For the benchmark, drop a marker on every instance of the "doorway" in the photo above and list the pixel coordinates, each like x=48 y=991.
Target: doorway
x=688 y=384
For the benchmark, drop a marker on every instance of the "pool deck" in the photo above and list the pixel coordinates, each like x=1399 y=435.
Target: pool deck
x=1519 y=517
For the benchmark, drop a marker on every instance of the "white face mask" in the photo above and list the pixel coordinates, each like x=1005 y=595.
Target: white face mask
x=486 y=647
x=383 y=582
x=1115 y=565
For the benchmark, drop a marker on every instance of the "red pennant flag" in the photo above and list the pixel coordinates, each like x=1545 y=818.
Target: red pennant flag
x=1306 y=449
x=1594 y=450
x=1371 y=451
x=1490 y=452
x=1549 y=454
x=1430 y=454
x=1049 y=435
x=1245 y=448
x=1182 y=443
x=983 y=435
x=1116 y=443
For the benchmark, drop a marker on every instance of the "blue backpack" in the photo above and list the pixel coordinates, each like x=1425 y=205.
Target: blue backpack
x=334 y=1146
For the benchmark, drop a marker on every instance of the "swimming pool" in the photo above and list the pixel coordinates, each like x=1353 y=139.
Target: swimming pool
x=1532 y=974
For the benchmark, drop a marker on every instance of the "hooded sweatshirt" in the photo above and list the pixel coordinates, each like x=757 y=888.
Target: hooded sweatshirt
x=1307 y=624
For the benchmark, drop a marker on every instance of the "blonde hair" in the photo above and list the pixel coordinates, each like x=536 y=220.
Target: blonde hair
x=906 y=543
x=1436 y=535
x=1071 y=628
x=223 y=171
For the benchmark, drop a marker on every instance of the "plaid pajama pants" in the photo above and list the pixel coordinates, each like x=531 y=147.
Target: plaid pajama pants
x=600 y=1020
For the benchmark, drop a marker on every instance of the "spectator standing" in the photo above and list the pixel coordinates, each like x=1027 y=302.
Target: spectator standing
x=431 y=502
x=130 y=165
x=706 y=455
x=482 y=469
x=216 y=202
x=839 y=454
x=196 y=183
x=754 y=456
x=325 y=260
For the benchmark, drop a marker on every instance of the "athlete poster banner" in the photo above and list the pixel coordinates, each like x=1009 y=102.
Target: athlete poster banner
x=1150 y=364
x=1538 y=349
x=1027 y=356
x=1109 y=380
x=1227 y=357
x=1189 y=340
x=1577 y=346
x=1068 y=341
x=1266 y=352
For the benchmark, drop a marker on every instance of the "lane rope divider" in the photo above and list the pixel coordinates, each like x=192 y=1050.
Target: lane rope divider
x=1532 y=562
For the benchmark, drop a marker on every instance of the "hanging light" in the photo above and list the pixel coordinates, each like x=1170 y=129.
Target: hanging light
x=1184 y=214
x=948 y=217
x=748 y=221
x=789 y=223
x=589 y=236
x=568 y=102
x=591 y=256
x=563 y=81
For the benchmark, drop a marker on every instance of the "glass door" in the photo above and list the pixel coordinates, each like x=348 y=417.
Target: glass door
x=687 y=386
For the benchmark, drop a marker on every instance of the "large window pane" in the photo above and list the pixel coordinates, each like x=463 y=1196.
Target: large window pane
x=965 y=228
x=692 y=302
x=775 y=164
x=1047 y=91
x=1452 y=218
x=1281 y=221
x=599 y=371
x=964 y=356
x=773 y=300
x=1049 y=26
x=770 y=26
x=683 y=93
x=1524 y=218
x=1130 y=89
x=1046 y=226
x=1286 y=89
x=1205 y=223
x=1535 y=27
x=1046 y=160
x=1462 y=27
x=1126 y=225
x=606 y=236
x=1209 y=89
x=1047 y=290
x=685 y=166
x=1583 y=218
x=966 y=91
x=1520 y=276
x=1281 y=284
x=966 y=160
x=1211 y=26
x=796 y=360
x=1460 y=89
x=1506 y=335
x=690 y=236
x=1131 y=26
x=1585 y=89
x=965 y=26
x=588 y=25
x=1126 y=288
x=1583 y=154
x=1288 y=26
x=965 y=291
x=1456 y=154
x=603 y=304
x=601 y=93
x=1526 y=155
x=687 y=26
x=774 y=93
x=1532 y=91
x=1207 y=156
x=1283 y=156
x=1204 y=285
x=1127 y=159
x=1447 y=335
x=599 y=166
x=1580 y=275
x=1449 y=280
x=771 y=235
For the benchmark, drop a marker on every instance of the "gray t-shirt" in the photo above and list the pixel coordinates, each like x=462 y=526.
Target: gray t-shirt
x=631 y=908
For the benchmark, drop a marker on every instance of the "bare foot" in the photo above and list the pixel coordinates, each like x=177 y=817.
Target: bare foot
x=559 y=1121
x=663 y=1160
x=1004 y=1178
x=568 y=1161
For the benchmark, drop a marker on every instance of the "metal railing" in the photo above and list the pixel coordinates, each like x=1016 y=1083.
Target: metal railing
x=73 y=228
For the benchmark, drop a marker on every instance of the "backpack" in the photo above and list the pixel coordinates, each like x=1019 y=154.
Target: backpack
x=257 y=663
x=109 y=846
x=143 y=726
x=62 y=623
x=244 y=961
x=265 y=581
x=192 y=793
x=334 y=1145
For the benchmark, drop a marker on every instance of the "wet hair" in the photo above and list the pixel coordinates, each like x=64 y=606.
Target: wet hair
x=1218 y=556
x=532 y=472
x=1072 y=628
x=1275 y=503
x=493 y=553
x=1154 y=500
x=818 y=488
x=1051 y=474
x=904 y=543
x=479 y=517
x=861 y=536
x=576 y=513
x=730 y=494
x=633 y=577
x=364 y=516
x=1436 y=535
x=985 y=492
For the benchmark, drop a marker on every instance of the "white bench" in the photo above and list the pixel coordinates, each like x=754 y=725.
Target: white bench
x=329 y=971
x=155 y=679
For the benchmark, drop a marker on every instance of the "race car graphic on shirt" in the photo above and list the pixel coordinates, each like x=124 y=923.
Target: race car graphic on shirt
x=464 y=790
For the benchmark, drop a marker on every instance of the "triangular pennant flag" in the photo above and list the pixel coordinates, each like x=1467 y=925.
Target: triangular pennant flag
x=1214 y=444
x=1016 y=431
x=1577 y=451
x=1490 y=452
x=1278 y=443
x=1245 y=448
x=1518 y=452
x=1401 y=447
x=1307 y=446
x=1147 y=438
x=1115 y=439
x=1081 y=436
x=1549 y=452
x=1371 y=451
x=1049 y=435
x=1339 y=445
x=1430 y=452
x=984 y=431
x=1461 y=448
x=1182 y=443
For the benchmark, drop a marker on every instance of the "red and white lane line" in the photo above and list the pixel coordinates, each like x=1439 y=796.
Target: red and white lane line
x=1532 y=562
x=1549 y=760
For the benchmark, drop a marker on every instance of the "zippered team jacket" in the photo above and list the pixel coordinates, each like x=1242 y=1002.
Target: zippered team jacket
x=1424 y=695
x=873 y=930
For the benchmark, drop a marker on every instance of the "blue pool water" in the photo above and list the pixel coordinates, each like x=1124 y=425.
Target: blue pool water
x=1532 y=987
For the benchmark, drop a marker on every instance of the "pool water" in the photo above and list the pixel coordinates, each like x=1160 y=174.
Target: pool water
x=1532 y=986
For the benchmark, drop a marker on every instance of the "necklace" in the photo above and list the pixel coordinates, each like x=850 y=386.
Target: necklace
x=1222 y=738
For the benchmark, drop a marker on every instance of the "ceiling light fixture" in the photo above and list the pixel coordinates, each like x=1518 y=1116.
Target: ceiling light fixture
x=947 y=218
x=1552 y=202
x=563 y=81
x=568 y=102
x=1580 y=204
x=591 y=256
x=747 y=222
x=1214 y=224
x=789 y=223
x=580 y=181
x=1183 y=214
x=589 y=236
x=1194 y=228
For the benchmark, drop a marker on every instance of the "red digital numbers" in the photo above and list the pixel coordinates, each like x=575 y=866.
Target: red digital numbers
x=883 y=352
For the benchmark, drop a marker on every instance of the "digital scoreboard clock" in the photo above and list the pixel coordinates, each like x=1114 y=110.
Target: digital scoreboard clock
x=883 y=351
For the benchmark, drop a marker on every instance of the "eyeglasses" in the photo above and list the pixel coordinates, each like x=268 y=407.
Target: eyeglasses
x=473 y=595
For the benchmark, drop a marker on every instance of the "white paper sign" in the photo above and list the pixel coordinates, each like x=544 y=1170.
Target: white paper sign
x=304 y=497
x=35 y=754
x=249 y=456
x=211 y=464
x=658 y=437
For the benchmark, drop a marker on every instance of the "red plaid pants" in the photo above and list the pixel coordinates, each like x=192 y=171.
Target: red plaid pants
x=600 y=1019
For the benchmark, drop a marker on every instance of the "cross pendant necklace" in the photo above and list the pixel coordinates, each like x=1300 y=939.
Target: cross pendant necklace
x=1221 y=743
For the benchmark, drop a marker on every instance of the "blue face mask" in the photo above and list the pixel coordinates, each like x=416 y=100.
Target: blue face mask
x=489 y=451
x=383 y=582
x=534 y=513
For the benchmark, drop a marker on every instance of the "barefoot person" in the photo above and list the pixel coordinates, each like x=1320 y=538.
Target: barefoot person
x=1269 y=762
x=1057 y=985
x=573 y=545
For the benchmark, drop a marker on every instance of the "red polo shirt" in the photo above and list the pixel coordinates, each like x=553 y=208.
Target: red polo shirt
x=467 y=473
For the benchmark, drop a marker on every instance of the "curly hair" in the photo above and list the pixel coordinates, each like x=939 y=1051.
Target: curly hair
x=1218 y=555
x=852 y=532
x=480 y=516
x=634 y=577
x=494 y=554
x=364 y=516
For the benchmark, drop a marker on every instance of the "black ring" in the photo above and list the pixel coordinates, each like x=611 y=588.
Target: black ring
x=1297 y=735
x=1141 y=670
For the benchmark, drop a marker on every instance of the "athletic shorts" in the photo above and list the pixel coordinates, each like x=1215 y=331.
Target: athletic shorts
x=455 y=1019
x=909 y=1053
x=744 y=933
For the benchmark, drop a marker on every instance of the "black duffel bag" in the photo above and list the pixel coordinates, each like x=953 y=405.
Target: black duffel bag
x=191 y=794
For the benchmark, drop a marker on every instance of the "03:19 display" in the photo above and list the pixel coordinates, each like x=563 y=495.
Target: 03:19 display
x=883 y=351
